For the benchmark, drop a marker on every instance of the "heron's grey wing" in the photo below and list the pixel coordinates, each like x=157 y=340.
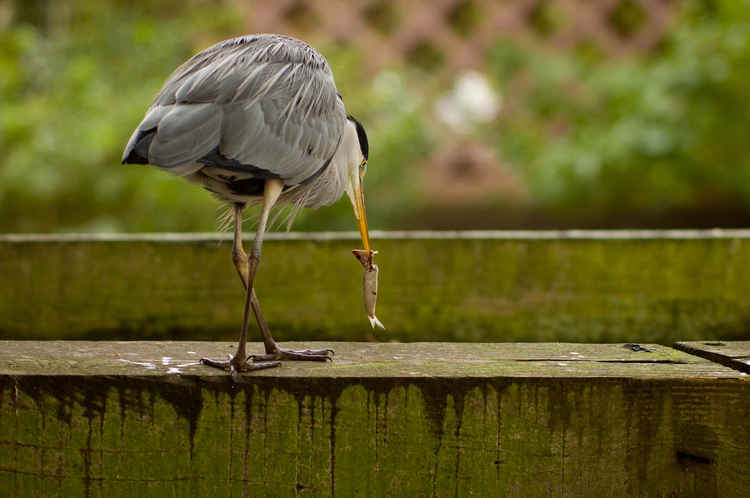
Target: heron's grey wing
x=287 y=143
x=172 y=133
x=265 y=102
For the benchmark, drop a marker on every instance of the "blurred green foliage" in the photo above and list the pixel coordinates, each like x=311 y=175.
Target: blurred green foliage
x=79 y=76
x=584 y=133
x=641 y=135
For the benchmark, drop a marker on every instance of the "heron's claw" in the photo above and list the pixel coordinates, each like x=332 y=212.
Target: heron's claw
x=286 y=354
x=237 y=367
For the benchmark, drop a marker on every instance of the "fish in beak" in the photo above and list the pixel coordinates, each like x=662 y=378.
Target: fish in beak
x=365 y=256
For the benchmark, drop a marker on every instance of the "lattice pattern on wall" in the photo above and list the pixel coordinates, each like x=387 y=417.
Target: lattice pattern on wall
x=454 y=34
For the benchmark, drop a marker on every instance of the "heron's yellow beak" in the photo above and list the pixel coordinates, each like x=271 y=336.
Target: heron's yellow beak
x=359 y=212
x=357 y=198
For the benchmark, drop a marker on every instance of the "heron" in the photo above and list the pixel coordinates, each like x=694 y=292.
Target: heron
x=258 y=120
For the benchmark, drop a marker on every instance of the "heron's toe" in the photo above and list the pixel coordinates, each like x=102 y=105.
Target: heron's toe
x=237 y=367
x=303 y=355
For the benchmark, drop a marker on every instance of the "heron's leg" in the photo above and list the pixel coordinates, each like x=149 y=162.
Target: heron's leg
x=271 y=193
x=240 y=260
x=239 y=257
x=273 y=351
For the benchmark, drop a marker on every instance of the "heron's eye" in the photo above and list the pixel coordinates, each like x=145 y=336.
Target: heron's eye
x=362 y=168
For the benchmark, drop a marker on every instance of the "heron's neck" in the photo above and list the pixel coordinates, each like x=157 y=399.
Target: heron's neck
x=330 y=185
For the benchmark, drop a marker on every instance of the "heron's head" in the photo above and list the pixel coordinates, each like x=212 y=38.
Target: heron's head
x=354 y=143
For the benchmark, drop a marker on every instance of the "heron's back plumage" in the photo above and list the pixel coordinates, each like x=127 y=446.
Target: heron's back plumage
x=241 y=111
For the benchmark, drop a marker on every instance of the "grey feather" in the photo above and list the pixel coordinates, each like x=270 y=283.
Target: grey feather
x=267 y=101
x=185 y=134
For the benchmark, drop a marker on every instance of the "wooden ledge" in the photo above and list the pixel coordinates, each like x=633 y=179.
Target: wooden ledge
x=579 y=286
x=675 y=234
x=363 y=360
x=734 y=355
x=421 y=419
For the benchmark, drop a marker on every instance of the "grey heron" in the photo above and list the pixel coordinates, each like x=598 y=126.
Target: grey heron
x=257 y=120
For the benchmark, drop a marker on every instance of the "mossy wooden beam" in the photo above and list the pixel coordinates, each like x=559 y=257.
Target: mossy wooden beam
x=732 y=354
x=455 y=286
x=384 y=419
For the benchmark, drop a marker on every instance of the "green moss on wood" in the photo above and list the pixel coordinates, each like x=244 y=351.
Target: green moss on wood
x=658 y=290
x=383 y=420
x=373 y=438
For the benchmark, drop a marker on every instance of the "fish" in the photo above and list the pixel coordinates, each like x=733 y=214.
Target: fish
x=370 y=287
x=369 y=284
x=364 y=257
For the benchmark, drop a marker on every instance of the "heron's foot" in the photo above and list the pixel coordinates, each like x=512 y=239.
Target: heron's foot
x=288 y=354
x=235 y=365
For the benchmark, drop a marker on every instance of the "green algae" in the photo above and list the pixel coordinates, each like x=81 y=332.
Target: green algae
x=618 y=290
x=493 y=436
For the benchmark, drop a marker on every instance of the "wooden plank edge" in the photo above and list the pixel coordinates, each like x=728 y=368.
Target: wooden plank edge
x=714 y=357
x=715 y=233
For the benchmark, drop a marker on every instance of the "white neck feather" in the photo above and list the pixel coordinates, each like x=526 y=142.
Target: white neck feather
x=331 y=184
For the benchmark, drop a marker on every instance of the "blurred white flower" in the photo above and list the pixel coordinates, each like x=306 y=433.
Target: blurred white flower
x=472 y=101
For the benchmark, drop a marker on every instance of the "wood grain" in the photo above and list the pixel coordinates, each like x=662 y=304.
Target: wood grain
x=426 y=419
x=735 y=354
x=576 y=286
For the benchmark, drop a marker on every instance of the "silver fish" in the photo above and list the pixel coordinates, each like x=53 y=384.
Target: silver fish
x=370 y=286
